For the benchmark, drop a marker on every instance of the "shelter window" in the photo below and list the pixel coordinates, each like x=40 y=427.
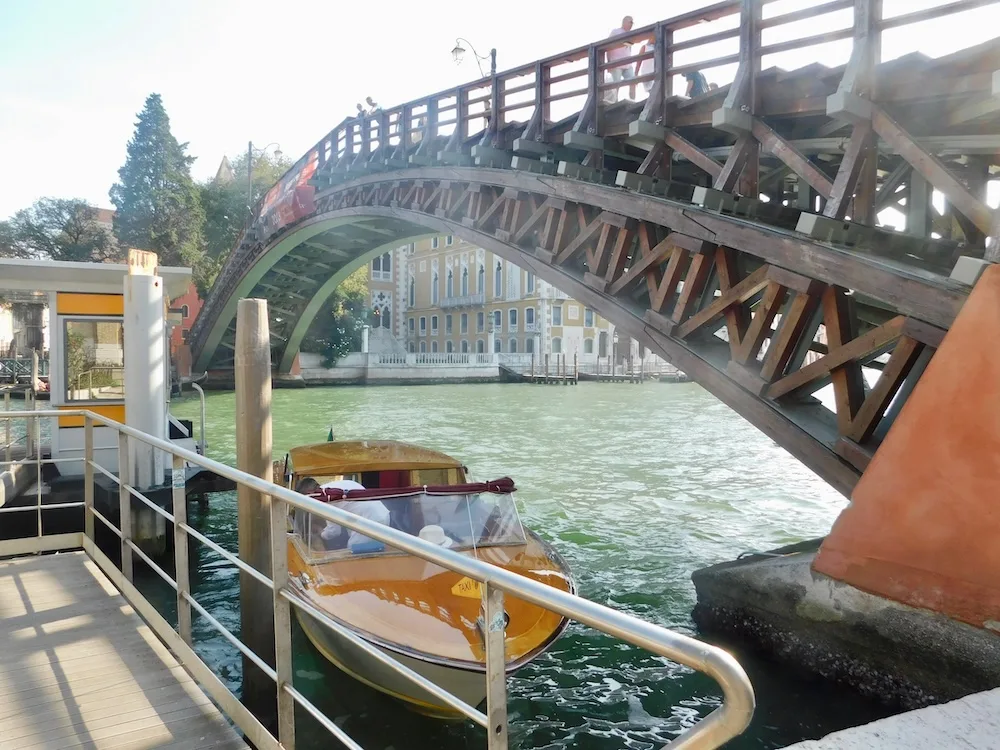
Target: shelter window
x=95 y=360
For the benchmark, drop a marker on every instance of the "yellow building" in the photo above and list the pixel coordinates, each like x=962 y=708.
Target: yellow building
x=445 y=295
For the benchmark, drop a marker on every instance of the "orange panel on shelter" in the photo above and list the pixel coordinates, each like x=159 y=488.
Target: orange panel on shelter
x=924 y=520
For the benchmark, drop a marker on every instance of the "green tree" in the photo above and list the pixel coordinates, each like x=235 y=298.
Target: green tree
x=61 y=229
x=158 y=204
x=9 y=246
x=336 y=330
x=225 y=205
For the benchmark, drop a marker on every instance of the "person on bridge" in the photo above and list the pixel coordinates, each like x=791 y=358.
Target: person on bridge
x=620 y=51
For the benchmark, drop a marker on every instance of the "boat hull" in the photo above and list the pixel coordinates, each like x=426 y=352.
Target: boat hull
x=468 y=685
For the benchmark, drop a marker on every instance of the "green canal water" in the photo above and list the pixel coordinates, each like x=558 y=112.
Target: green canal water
x=637 y=486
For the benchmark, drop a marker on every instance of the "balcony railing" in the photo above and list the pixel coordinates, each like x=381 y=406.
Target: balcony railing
x=533 y=327
x=466 y=300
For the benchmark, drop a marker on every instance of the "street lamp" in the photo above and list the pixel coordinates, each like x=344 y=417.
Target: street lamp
x=458 y=52
x=250 y=154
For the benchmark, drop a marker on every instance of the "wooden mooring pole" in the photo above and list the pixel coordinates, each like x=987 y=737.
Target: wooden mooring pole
x=253 y=455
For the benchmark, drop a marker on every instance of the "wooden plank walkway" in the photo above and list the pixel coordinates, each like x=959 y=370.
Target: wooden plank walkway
x=80 y=669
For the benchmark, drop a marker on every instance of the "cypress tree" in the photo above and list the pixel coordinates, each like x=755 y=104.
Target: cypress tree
x=158 y=206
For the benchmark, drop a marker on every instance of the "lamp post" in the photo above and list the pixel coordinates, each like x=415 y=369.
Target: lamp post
x=250 y=154
x=458 y=52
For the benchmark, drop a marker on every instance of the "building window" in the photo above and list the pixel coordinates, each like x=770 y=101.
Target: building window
x=498 y=280
x=449 y=347
x=465 y=346
x=529 y=316
x=434 y=289
x=529 y=345
x=497 y=346
x=480 y=346
x=465 y=281
x=481 y=280
x=434 y=325
x=464 y=323
x=449 y=240
x=410 y=323
x=95 y=360
x=530 y=282
x=513 y=346
x=480 y=322
x=413 y=292
x=588 y=318
x=447 y=324
x=497 y=320
x=435 y=241
x=382 y=267
x=410 y=248
x=423 y=347
x=512 y=318
x=588 y=346
x=423 y=325
x=434 y=347
x=184 y=313
x=449 y=284
x=412 y=347
x=557 y=315
x=557 y=345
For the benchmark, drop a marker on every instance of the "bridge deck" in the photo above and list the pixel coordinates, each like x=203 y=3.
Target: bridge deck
x=79 y=668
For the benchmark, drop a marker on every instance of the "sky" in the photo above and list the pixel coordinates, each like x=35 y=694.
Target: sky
x=75 y=73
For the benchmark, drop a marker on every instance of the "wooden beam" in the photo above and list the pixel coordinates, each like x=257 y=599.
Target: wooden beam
x=780 y=148
x=865 y=345
x=850 y=168
x=744 y=147
x=741 y=292
x=693 y=154
x=694 y=284
x=793 y=325
x=760 y=325
x=737 y=316
x=933 y=170
x=901 y=362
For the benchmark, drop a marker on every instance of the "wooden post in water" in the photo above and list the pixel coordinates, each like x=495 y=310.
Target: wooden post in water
x=252 y=372
x=576 y=368
x=532 y=365
x=546 y=367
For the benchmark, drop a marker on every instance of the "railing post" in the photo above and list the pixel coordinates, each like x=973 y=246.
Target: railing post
x=6 y=423
x=282 y=624
x=181 y=574
x=36 y=438
x=496 y=667
x=88 y=477
x=124 y=505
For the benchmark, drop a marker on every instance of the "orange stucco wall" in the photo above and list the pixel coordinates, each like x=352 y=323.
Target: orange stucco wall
x=923 y=526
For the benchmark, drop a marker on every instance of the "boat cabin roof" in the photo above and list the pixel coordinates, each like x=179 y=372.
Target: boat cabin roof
x=355 y=456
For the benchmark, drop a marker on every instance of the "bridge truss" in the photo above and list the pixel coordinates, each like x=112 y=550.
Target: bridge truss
x=734 y=233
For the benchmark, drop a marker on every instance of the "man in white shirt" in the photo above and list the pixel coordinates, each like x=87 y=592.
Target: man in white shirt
x=373 y=510
x=620 y=52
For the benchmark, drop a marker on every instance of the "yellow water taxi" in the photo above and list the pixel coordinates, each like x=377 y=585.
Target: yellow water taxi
x=421 y=614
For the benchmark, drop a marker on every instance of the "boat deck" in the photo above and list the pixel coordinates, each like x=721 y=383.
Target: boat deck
x=79 y=668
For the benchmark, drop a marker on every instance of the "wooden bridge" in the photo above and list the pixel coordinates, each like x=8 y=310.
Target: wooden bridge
x=735 y=233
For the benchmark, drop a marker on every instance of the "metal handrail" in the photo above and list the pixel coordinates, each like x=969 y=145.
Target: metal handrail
x=725 y=722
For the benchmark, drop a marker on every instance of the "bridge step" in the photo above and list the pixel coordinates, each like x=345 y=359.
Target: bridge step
x=487 y=156
x=590 y=174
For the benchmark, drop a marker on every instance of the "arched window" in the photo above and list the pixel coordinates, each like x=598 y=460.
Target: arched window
x=512 y=318
x=465 y=281
x=423 y=347
x=481 y=282
x=557 y=345
x=434 y=347
x=413 y=292
x=588 y=346
x=497 y=345
x=513 y=346
x=529 y=344
x=434 y=288
x=480 y=346
x=529 y=316
x=449 y=288
x=530 y=282
x=449 y=347
x=465 y=346
x=497 y=319
x=412 y=348
x=184 y=312
x=498 y=280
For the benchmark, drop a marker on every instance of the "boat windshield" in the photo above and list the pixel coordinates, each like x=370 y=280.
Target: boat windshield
x=455 y=521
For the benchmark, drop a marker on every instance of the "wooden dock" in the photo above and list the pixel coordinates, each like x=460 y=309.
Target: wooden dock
x=80 y=669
